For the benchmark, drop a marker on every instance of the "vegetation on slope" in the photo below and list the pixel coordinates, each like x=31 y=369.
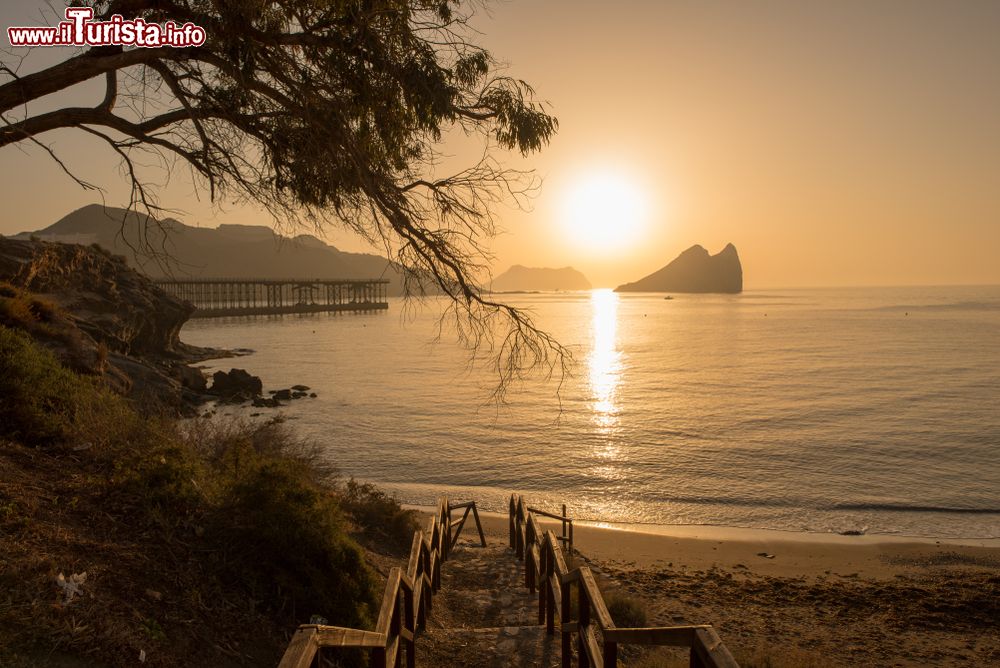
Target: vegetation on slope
x=203 y=544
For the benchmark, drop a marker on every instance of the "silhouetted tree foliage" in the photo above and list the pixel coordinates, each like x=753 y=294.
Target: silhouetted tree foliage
x=323 y=112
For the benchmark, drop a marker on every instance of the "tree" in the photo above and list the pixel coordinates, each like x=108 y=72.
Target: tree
x=323 y=112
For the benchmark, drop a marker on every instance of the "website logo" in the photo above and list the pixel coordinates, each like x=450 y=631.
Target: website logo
x=80 y=29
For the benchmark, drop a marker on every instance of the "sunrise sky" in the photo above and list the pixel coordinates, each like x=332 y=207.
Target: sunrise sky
x=856 y=143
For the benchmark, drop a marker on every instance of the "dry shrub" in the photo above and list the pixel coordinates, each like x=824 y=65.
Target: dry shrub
x=378 y=514
x=229 y=444
x=626 y=611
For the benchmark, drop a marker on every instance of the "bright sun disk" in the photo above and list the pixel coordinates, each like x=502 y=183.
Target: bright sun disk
x=605 y=211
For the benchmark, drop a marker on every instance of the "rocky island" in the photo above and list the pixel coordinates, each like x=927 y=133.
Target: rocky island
x=520 y=279
x=694 y=270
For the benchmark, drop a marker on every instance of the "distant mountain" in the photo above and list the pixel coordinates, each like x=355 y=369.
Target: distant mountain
x=694 y=270
x=519 y=278
x=228 y=251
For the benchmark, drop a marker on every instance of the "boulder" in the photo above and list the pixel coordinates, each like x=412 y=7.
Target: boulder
x=191 y=378
x=265 y=402
x=237 y=384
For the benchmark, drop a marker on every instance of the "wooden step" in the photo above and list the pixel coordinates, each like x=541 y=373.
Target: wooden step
x=483 y=588
x=500 y=647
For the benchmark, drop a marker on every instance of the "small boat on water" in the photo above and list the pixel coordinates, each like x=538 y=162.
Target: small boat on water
x=668 y=297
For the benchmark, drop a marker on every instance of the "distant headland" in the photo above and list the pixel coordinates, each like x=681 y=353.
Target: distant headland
x=694 y=270
x=520 y=278
x=230 y=251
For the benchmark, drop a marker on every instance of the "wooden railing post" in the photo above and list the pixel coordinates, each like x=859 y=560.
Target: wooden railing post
x=444 y=515
x=543 y=584
x=395 y=626
x=567 y=640
x=511 y=511
x=436 y=576
x=479 y=525
x=410 y=624
x=550 y=594
x=447 y=509
x=583 y=623
x=519 y=528
x=610 y=655
x=529 y=556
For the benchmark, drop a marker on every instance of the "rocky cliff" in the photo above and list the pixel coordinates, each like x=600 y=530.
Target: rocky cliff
x=694 y=270
x=521 y=278
x=98 y=316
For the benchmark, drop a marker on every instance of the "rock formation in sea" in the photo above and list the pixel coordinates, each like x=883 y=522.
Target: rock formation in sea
x=694 y=270
x=520 y=278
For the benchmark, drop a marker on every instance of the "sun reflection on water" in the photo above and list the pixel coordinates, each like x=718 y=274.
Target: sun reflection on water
x=605 y=364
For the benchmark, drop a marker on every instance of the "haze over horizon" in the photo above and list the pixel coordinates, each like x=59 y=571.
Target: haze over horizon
x=854 y=144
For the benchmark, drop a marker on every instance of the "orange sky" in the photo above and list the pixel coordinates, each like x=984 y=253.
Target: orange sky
x=855 y=143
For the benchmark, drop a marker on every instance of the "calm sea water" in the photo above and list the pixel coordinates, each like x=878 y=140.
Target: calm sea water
x=820 y=410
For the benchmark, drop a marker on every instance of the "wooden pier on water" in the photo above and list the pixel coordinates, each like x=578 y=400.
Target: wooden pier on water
x=217 y=297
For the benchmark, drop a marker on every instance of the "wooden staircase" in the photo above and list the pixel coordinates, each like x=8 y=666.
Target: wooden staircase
x=495 y=606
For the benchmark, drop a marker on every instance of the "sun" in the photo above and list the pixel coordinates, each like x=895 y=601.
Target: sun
x=605 y=211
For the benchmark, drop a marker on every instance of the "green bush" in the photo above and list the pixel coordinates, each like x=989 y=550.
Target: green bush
x=43 y=402
x=275 y=515
x=379 y=514
x=292 y=547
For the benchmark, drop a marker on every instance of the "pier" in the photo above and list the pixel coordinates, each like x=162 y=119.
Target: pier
x=217 y=297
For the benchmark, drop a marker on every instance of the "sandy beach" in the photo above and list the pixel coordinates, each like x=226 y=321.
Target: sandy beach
x=796 y=599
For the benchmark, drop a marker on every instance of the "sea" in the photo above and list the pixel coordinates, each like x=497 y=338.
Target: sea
x=868 y=410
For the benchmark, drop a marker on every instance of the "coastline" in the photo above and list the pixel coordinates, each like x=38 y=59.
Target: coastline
x=793 y=554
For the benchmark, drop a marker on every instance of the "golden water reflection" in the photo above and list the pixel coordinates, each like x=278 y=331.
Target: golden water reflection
x=605 y=364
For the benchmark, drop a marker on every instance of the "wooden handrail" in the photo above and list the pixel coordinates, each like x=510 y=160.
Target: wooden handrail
x=545 y=568
x=406 y=602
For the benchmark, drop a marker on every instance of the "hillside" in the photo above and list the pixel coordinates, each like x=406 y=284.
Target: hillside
x=229 y=251
x=520 y=278
x=129 y=537
x=694 y=270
